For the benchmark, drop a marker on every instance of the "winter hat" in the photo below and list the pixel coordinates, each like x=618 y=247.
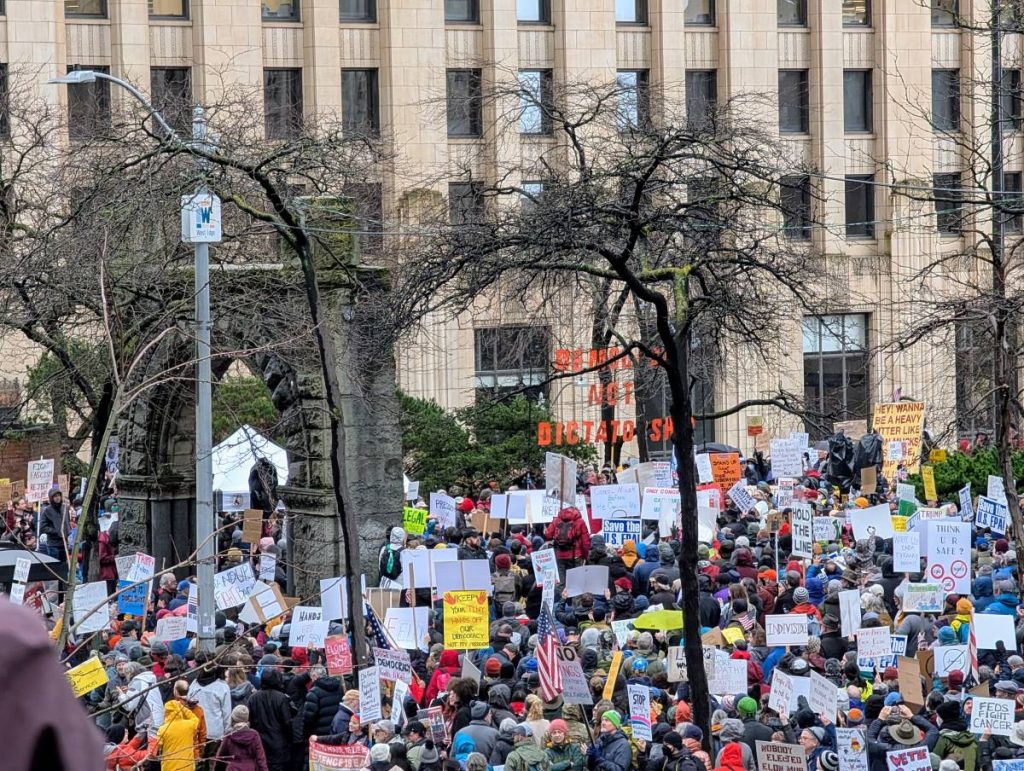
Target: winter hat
x=503 y=562
x=955 y=678
x=854 y=717
x=692 y=731
x=465 y=505
x=380 y=753
x=948 y=710
x=948 y=765
x=493 y=666
x=478 y=710
x=947 y=636
x=641 y=603
x=240 y=714
x=964 y=607
x=558 y=725
x=703 y=552
x=746 y=707
x=624 y=584
x=801 y=595
x=742 y=542
x=828 y=761
x=523 y=729
x=672 y=739
x=891 y=673
x=612 y=717
x=892 y=699
x=645 y=642
x=429 y=754
x=1002 y=545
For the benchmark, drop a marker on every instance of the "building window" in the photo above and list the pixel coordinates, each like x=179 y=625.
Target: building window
x=856 y=100
x=511 y=359
x=699 y=13
x=531 y=193
x=367 y=206
x=360 y=102
x=534 y=101
x=5 y=106
x=461 y=11
x=533 y=11
x=794 y=102
x=946 y=100
x=168 y=9
x=171 y=89
x=359 y=10
x=85 y=8
x=836 y=368
x=631 y=11
x=282 y=103
x=792 y=13
x=465 y=108
x=633 y=109
x=465 y=203
x=944 y=13
x=795 y=199
x=1013 y=204
x=701 y=98
x=948 y=207
x=856 y=13
x=1009 y=100
x=975 y=378
x=704 y=221
x=860 y=206
x=89 y=106
x=281 y=10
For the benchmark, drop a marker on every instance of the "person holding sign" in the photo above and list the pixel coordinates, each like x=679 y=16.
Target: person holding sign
x=570 y=537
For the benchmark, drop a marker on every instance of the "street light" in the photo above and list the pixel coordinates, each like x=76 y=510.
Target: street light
x=200 y=225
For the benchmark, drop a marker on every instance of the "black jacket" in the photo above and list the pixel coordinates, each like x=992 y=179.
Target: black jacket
x=755 y=731
x=320 y=707
x=51 y=521
x=270 y=714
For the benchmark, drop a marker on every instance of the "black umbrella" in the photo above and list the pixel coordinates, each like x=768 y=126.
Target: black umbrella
x=43 y=567
x=714 y=447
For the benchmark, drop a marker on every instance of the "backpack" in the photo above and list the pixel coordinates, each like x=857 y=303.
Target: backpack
x=390 y=564
x=504 y=588
x=563 y=539
x=685 y=762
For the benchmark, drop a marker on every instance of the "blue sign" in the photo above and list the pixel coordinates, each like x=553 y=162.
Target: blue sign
x=133 y=600
x=991 y=514
x=617 y=531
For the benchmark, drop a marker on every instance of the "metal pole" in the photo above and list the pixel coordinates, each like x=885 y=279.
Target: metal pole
x=205 y=525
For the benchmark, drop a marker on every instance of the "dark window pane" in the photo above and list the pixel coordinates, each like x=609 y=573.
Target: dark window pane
x=533 y=11
x=1012 y=203
x=89 y=106
x=282 y=102
x=85 y=8
x=465 y=203
x=534 y=101
x=461 y=10
x=168 y=8
x=856 y=13
x=975 y=378
x=367 y=205
x=946 y=100
x=701 y=98
x=464 y=103
x=171 y=89
x=836 y=382
x=793 y=101
x=633 y=108
x=699 y=13
x=944 y=13
x=796 y=207
x=860 y=206
x=358 y=10
x=792 y=13
x=360 y=108
x=1009 y=100
x=948 y=207
x=5 y=107
x=857 y=100
x=631 y=11
x=511 y=360
x=281 y=10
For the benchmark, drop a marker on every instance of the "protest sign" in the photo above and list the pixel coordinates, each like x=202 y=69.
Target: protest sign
x=124 y=564
x=334 y=597
x=730 y=677
x=802 y=522
x=515 y=507
x=21 y=568
x=419 y=566
x=910 y=680
x=545 y=566
x=906 y=552
x=992 y=628
x=369 y=694
x=470 y=670
x=621 y=629
x=966 y=507
x=868 y=480
x=740 y=496
x=951 y=658
x=640 y=711
x=560 y=478
x=784 y=493
x=437 y=725
x=928 y=479
x=852 y=429
x=442 y=506
x=923 y=598
x=776 y=756
x=462 y=575
x=613 y=675
x=575 y=687
x=328 y=757
x=725 y=468
x=660 y=503
x=849 y=611
x=231 y=587
x=39 y=480
x=589 y=578
x=466 y=620
x=949 y=555
x=995 y=715
x=786 y=629
x=17 y=595
x=874 y=642
x=870 y=522
x=308 y=627
x=852 y=749
x=782 y=691
x=996 y=488
x=412 y=491
x=1008 y=765
x=617 y=531
x=131 y=598
x=676 y=660
x=825 y=529
x=142 y=569
x=89 y=605
x=991 y=514
x=823 y=696
x=338 y=655
x=704 y=472
x=268 y=567
x=615 y=501
x=263 y=604
x=171 y=628
x=407 y=627
x=900 y=423
x=87 y=676
x=787 y=458
x=393 y=665
x=414 y=521
x=909 y=759
x=252 y=526
x=192 y=611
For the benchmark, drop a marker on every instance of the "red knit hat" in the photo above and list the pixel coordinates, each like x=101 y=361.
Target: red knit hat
x=466 y=505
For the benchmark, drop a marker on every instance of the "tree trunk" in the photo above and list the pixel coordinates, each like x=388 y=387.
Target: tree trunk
x=90 y=516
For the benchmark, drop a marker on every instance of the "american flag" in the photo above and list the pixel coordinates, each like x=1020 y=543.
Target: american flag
x=547 y=656
x=380 y=637
x=972 y=649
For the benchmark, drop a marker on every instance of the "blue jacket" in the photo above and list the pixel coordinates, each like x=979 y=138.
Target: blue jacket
x=1004 y=605
x=982 y=591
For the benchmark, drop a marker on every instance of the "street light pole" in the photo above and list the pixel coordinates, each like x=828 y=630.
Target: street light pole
x=200 y=225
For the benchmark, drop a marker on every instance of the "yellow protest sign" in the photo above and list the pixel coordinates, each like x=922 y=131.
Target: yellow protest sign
x=937 y=456
x=899 y=524
x=732 y=634
x=86 y=677
x=613 y=675
x=414 y=521
x=466 y=620
x=900 y=424
x=928 y=477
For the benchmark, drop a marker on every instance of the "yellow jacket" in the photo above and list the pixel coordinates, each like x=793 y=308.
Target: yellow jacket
x=176 y=738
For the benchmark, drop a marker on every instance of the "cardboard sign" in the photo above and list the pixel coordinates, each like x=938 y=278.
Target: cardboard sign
x=995 y=715
x=852 y=429
x=618 y=531
x=951 y=658
x=992 y=628
x=466 y=620
x=560 y=478
x=900 y=423
x=252 y=526
x=589 y=578
x=414 y=521
x=910 y=681
x=615 y=501
x=725 y=468
x=87 y=676
x=802 y=523
x=369 y=695
x=327 y=757
x=776 y=756
x=308 y=627
x=949 y=555
x=849 y=611
x=613 y=675
x=906 y=552
x=393 y=665
x=909 y=759
x=991 y=514
x=786 y=629
x=868 y=480
x=640 y=711
x=338 y=654
x=263 y=604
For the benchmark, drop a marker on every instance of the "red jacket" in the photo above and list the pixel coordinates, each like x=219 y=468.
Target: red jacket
x=571 y=520
x=447 y=669
x=108 y=563
x=127 y=755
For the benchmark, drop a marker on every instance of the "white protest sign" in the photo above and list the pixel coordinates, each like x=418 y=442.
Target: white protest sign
x=823 y=697
x=575 y=687
x=949 y=555
x=911 y=758
x=966 y=507
x=412 y=492
x=408 y=627
x=232 y=587
x=124 y=564
x=615 y=501
x=905 y=492
x=852 y=749
x=462 y=575
x=738 y=493
x=993 y=628
x=398 y=697
x=545 y=566
x=308 y=627
x=802 y=523
x=589 y=578
x=171 y=628
x=991 y=514
x=786 y=458
x=873 y=642
x=730 y=677
x=470 y=670
x=515 y=507
x=38 y=480
x=922 y=598
x=268 y=567
x=369 y=695
x=951 y=658
x=873 y=521
x=334 y=597
x=17 y=595
x=995 y=715
x=906 y=552
x=640 y=711
x=192 y=612
x=419 y=566
x=659 y=503
x=442 y=506
x=393 y=665
x=621 y=628
x=782 y=691
x=996 y=488
x=824 y=529
x=849 y=611
x=264 y=603
x=560 y=478
x=786 y=629
x=142 y=568
x=89 y=604
x=776 y=756
x=704 y=473
x=21 y=568
x=499 y=506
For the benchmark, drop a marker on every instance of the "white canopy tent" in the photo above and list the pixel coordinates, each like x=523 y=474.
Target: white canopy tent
x=235 y=456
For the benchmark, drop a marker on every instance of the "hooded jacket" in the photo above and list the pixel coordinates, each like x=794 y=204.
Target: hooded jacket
x=241 y=750
x=731 y=758
x=52 y=522
x=270 y=714
x=527 y=754
x=959 y=745
x=615 y=753
x=743 y=559
x=177 y=737
x=1002 y=605
x=569 y=519
x=320 y=707
x=144 y=700
x=447 y=668
x=214 y=697
x=499 y=696
x=982 y=592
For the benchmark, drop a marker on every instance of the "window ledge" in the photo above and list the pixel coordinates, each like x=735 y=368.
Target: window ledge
x=93 y=20
x=464 y=25
x=170 y=21
x=537 y=26
x=282 y=23
x=859 y=134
